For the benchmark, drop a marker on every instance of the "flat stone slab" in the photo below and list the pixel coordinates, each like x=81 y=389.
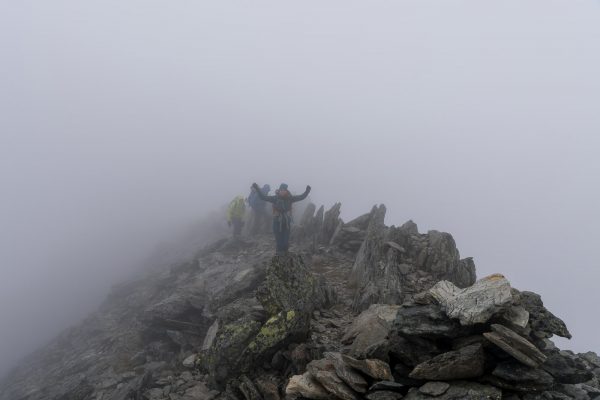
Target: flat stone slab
x=515 y=345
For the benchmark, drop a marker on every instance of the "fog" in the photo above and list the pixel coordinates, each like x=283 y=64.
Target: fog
x=123 y=123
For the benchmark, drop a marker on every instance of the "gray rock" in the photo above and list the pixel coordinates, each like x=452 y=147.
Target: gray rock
x=190 y=362
x=248 y=389
x=383 y=395
x=376 y=369
x=307 y=386
x=460 y=390
x=567 y=369
x=371 y=327
x=331 y=220
x=434 y=388
x=324 y=371
x=387 y=385
x=412 y=350
x=475 y=304
x=522 y=377
x=347 y=374
x=541 y=320
x=515 y=345
x=467 y=362
x=428 y=321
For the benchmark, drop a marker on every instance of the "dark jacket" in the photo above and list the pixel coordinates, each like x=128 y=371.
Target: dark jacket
x=289 y=199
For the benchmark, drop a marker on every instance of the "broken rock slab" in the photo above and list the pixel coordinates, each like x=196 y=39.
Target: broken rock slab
x=307 y=386
x=515 y=345
x=324 y=371
x=466 y=362
x=376 y=369
x=475 y=304
x=460 y=390
x=347 y=374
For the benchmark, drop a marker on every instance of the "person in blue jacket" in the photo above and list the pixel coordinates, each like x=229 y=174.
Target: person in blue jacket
x=282 y=213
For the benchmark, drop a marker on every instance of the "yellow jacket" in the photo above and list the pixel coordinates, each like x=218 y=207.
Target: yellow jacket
x=237 y=208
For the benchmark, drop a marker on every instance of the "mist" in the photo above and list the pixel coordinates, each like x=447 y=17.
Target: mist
x=125 y=123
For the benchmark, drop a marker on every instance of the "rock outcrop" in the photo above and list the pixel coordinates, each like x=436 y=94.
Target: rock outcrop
x=357 y=310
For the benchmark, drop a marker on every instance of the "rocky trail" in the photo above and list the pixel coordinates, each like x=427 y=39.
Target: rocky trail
x=357 y=310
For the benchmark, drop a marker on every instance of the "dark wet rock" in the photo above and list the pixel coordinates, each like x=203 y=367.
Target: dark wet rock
x=515 y=345
x=434 y=388
x=376 y=369
x=384 y=395
x=567 y=369
x=412 y=350
x=542 y=320
x=347 y=374
x=460 y=390
x=467 y=362
x=248 y=389
x=387 y=385
x=267 y=386
x=324 y=371
x=428 y=321
x=475 y=304
x=523 y=378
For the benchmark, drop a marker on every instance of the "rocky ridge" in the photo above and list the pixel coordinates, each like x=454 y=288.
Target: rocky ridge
x=356 y=310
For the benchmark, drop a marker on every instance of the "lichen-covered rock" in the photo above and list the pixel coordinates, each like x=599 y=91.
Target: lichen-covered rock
x=278 y=332
x=475 y=304
x=467 y=362
x=288 y=285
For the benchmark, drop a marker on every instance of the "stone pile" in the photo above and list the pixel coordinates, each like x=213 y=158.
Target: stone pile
x=486 y=341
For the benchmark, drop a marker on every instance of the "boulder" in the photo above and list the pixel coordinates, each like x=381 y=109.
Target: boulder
x=368 y=334
x=467 y=362
x=428 y=321
x=522 y=377
x=412 y=350
x=515 y=345
x=324 y=371
x=434 y=388
x=376 y=369
x=541 y=320
x=347 y=374
x=475 y=304
x=567 y=369
x=387 y=385
x=307 y=386
x=288 y=285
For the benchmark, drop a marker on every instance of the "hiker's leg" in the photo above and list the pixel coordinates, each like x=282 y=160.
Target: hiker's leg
x=277 y=233
x=285 y=238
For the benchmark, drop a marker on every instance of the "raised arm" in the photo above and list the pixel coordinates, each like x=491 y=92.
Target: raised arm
x=270 y=199
x=302 y=196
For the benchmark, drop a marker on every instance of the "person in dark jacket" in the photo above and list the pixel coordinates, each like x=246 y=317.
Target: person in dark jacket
x=260 y=216
x=282 y=213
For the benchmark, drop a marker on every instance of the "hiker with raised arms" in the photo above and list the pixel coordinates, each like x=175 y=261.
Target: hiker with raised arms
x=282 y=213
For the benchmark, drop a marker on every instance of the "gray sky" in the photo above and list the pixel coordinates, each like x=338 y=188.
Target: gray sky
x=123 y=121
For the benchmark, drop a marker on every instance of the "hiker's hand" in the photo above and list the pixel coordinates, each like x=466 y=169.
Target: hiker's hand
x=308 y=188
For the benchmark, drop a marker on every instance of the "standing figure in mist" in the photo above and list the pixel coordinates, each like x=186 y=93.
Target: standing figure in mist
x=235 y=215
x=260 y=218
x=282 y=213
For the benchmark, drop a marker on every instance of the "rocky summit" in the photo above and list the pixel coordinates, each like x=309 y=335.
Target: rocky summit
x=357 y=310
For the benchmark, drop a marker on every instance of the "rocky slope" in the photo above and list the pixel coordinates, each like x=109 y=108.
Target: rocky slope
x=357 y=310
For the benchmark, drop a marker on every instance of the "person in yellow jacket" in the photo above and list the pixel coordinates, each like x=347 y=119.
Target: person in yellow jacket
x=235 y=215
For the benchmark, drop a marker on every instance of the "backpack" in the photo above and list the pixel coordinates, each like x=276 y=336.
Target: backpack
x=283 y=202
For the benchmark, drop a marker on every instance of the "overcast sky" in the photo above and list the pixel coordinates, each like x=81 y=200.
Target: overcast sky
x=124 y=121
